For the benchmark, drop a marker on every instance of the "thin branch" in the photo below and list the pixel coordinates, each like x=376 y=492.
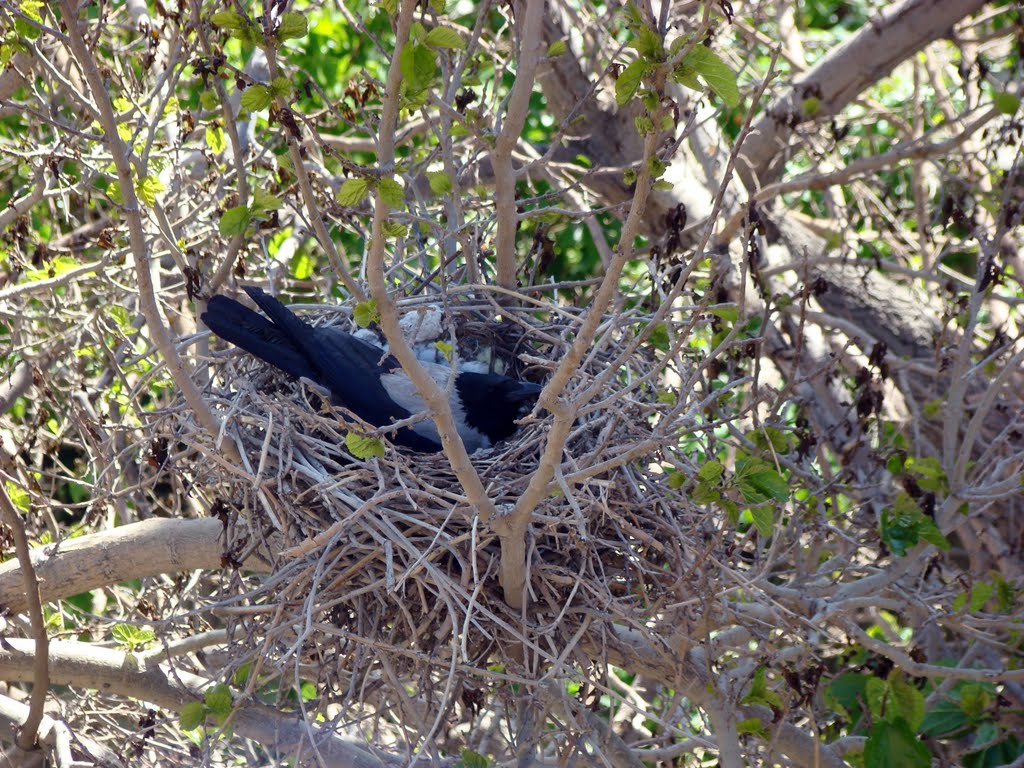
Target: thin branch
x=30 y=585
x=435 y=399
x=159 y=331
x=529 y=22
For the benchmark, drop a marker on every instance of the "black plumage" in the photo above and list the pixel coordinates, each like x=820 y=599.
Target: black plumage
x=370 y=383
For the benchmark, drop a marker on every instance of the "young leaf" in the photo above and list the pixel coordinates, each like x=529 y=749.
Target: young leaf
x=629 y=81
x=353 y=191
x=716 y=73
x=235 y=220
x=228 y=20
x=418 y=64
x=557 y=48
x=440 y=182
x=218 y=701
x=256 y=98
x=395 y=229
x=215 y=139
x=762 y=517
x=760 y=693
x=148 y=188
x=302 y=265
x=366 y=313
x=392 y=192
x=711 y=470
x=892 y=744
x=192 y=715
x=263 y=201
x=293 y=25
x=444 y=37
x=363 y=447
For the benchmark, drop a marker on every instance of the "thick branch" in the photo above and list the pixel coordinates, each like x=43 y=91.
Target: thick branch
x=132 y=551
x=842 y=75
x=89 y=666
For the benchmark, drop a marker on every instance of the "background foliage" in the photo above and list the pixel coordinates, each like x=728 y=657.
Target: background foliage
x=796 y=231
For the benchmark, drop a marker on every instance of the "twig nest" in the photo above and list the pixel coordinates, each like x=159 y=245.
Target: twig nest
x=384 y=573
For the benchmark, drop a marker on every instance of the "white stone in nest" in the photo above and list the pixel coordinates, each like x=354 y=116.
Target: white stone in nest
x=365 y=334
x=423 y=325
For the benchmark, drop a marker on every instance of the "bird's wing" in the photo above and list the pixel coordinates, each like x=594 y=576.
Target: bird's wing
x=353 y=370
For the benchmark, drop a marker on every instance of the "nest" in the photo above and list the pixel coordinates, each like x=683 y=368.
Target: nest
x=383 y=578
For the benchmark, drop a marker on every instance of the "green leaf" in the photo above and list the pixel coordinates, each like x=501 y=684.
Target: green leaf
x=440 y=182
x=363 y=447
x=281 y=87
x=445 y=349
x=418 y=63
x=648 y=44
x=263 y=201
x=22 y=28
x=302 y=265
x=353 y=191
x=754 y=727
x=192 y=715
x=760 y=693
x=471 y=759
x=219 y=701
x=894 y=745
x=445 y=37
x=366 y=313
x=209 y=99
x=132 y=637
x=1006 y=103
x=975 y=698
x=31 y=9
x=644 y=125
x=716 y=73
x=811 y=106
x=769 y=437
x=707 y=493
x=394 y=229
x=676 y=480
x=293 y=25
x=392 y=192
x=148 y=188
x=629 y=80
x=980 y=594
x=927 y=467
x=687 y=76
x=763 y=521
x=904 y=524
x=759 y=481
x=711 y=471
x=215 y=139
x=659 y=337
x=846 y=694
x=256 y=98
x=235 y=220
x=229 y=20
x=907 y=702
x=929 y=531
x=390 y=6
x=944 y=719
x=666 y=396
x=557 y=48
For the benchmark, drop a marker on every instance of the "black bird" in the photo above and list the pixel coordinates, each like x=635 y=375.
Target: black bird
x=366 y=380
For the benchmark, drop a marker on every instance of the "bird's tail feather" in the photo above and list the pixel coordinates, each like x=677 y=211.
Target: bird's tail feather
x=255 y=334
x=300 y=332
